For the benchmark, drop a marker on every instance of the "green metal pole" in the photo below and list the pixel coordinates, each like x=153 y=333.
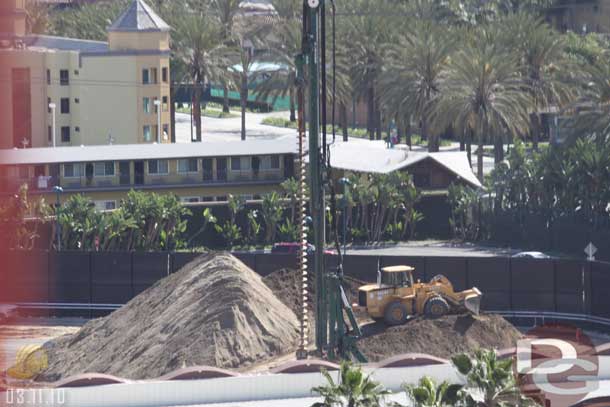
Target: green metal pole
x=316 y=187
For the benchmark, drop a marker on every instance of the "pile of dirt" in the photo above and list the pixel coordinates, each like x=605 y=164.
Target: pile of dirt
x=440 y=337
x=215 y=311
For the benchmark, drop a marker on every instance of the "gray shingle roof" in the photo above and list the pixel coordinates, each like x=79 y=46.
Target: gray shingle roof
x=66 y=44
x=139 y=17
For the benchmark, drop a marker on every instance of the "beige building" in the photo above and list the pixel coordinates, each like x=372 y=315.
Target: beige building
x=103 y=92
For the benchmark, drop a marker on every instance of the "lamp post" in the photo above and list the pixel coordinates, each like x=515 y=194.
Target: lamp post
x=58 y=191
x=158 y=106
x=52 y=106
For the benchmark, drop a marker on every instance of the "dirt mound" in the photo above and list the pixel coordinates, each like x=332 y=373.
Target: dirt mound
x=215 y=311
x=440 y=337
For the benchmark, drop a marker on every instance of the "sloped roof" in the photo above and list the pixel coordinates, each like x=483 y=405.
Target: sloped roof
x=65 y=44
x=374 y=157
x=139 y=17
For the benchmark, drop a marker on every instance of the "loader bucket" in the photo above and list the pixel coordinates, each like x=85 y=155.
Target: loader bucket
x=472 y=301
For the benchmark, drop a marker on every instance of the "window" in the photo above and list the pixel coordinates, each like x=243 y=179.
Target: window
x=155 y=105
x=187 y=165
x=77 y=129
x=147 y=133
x=153 y=75
x=145 y=77
x=275 y=162
x=165 y=131
x=190 y=199
x=222 y=198
x=207 y=199
x=158 y=167
x=104 y=169
x=73 y=170
x=64 y=77
x=76 y=100
x=65 y=105
x=48 y=76
x=65 y=134
x=235 y=164
x=164 y=74
x=246 y=163
x=146 y=104
x=165 y=104
x=105 y=205
x=50 y=134
x=49 y=105
x=76 y=72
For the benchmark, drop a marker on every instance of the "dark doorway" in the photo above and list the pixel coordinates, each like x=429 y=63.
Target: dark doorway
x=288 y=166
x=221 y=169
x=89 y=173
x=138 y=172
x=125 y=173
x=54 y=173
x=256 y=165
x=39 y=171
x=208 y=169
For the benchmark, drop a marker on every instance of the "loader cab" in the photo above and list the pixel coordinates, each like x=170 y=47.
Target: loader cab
x=397 y=276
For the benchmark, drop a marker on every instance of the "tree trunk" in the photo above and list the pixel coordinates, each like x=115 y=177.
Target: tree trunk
x=469 y=147
x=197 y=110
x=343 y=120
x=408 y=132
x=244 y=102
x=378 y=121
x=371 y=113
x=480 y=155
x=433 y=139
x=535 y=128
x=225 y=99
x=399 y=131
x=498 y=149
x=462 y=141
x=293 y=117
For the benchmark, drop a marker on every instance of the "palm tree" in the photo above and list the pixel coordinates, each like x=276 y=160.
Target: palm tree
x=226 y=11
x=545 y=66
x=428 y=394
x=271 y=211
x=354 y=389
x=483 y=92
x=491 y=381
x=415 y=66
x=199 y=44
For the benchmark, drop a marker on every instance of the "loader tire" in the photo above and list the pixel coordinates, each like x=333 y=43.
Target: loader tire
x=395 y=313
x=436 y=307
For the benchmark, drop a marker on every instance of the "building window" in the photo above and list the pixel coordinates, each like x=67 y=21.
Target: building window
x=65 y=134
x=235 y=164
x=50 y=134
x=190 y=199
x=76 y=72
x=105 y=205
x=222 y=198
x=49 y=105
x=104 y=169
x=145 y=77
x=164 y=74
x=207 y=199
x=165 y=131
x=76 y=100
x=147 y=133
x=275 y=162
x=158 y=167
x=24 y=172
x=146 y=104
x=187 y=165
x=77 y=129
x=153 y=75
x=165 y=104
x=155 y=105
x=73 y=170
x=65 y=105
x=48 y=76
x=64 y=77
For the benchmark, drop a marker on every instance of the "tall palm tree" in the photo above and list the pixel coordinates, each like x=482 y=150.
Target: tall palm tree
x=428 y=394
x=198 y=42
x=483 y=91
x=545 y=66
x=354 y=389
x=414 y=69
x=226 y=11
x=490 y=379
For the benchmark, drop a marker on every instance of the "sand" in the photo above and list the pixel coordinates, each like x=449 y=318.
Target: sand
x=215 y=311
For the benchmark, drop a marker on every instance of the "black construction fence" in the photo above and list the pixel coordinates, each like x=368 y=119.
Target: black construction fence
x=508 y=284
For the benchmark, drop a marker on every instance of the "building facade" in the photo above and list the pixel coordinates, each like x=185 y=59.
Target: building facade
x=580 y=16
x=113 y=92
x=200 y=172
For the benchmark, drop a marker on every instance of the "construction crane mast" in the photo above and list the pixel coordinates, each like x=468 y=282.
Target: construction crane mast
x=334 y=338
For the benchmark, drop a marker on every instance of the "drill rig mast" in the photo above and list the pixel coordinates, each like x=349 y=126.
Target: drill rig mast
x=334 y=337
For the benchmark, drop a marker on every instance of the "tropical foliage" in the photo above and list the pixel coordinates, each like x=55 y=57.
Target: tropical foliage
x=428 y=394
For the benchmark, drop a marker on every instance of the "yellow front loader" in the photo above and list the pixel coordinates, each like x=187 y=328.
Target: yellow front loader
x=395 y=297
